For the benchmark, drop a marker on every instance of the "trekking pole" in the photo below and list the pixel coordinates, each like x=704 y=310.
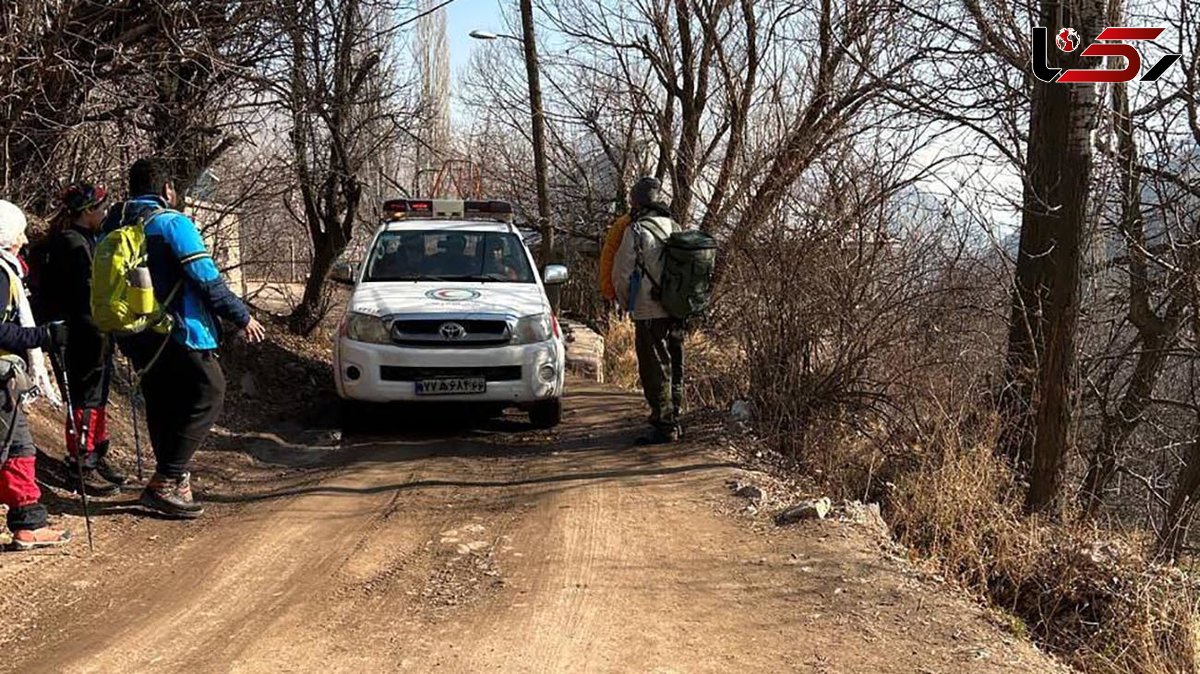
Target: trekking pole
x=59 y=365
x=133 y=403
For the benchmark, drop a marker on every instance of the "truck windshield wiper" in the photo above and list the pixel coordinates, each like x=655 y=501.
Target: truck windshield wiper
x=471 y=278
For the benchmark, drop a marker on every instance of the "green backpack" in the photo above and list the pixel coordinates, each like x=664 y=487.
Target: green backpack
x=689 y=258
x=123 y=299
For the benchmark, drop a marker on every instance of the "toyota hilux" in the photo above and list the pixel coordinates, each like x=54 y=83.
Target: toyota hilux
x=449 y=305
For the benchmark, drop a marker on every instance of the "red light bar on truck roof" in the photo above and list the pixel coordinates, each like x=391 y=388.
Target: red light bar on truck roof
x=397 y=209
x=490 y=207
x=407 y=206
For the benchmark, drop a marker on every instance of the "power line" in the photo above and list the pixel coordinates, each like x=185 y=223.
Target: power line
x=423 y=14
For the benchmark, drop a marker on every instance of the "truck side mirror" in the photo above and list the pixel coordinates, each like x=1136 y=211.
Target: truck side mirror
x=344 y=273
x=555 y=274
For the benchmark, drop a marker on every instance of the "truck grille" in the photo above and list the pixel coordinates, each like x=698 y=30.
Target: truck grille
x=464 y=333
x=507 y=373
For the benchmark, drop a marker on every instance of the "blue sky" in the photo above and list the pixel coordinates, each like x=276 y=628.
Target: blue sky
x=464 y=16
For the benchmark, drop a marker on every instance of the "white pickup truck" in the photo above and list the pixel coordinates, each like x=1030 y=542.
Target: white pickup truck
x=449 y=305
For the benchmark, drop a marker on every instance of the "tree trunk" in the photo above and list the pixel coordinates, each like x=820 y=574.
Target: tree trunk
x=1042 y=329
x=313 y=306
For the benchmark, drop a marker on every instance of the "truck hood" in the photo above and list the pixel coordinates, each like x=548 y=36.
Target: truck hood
x=418 y=297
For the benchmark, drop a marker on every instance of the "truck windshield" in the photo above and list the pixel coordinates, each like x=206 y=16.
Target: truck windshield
x=497 y=257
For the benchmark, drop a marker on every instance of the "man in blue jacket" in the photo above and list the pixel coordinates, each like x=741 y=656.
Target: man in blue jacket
x=182 y=381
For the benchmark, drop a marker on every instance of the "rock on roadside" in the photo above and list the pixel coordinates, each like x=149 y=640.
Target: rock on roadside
x=249 y=385
x=750 y=491
x=815 y=509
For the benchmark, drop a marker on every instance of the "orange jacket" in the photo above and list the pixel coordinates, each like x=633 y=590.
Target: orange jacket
x=612 y=242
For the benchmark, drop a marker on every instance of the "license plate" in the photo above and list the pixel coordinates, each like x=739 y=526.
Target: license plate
x=450 y=387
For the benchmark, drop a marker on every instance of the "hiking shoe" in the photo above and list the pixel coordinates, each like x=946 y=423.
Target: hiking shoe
x=171 y=498
x=183 y=486
x=659 y=436
x=92 y=482
x=31 y=539
x=109 y=471
x=6 y=538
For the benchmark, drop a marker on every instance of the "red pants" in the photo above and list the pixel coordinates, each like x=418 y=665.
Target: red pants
x=18 y=482
x=18 y=486
x=93 y=431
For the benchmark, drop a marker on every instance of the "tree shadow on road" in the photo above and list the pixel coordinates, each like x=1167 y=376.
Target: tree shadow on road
x=593 y=476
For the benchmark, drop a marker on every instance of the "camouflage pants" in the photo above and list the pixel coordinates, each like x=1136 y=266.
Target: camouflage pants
x=6 y=538
x=659 y=346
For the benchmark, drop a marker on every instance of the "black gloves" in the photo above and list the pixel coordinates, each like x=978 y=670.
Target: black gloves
x=56 y=335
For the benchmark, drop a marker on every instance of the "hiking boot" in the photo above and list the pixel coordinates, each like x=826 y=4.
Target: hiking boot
x=109 y=471
x=171 y=497
x=92 y=482
x=658 y=436
x=31 y=539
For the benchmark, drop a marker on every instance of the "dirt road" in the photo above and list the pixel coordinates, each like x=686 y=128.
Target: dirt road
x=490 y=550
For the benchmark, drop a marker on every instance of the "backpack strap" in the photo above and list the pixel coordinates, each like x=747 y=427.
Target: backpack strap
x=647 y=225
x=159 y=210
x=166 y=304
x=12 y=303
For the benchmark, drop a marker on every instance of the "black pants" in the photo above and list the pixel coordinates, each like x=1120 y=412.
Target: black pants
x=89 y=365
x=659 y=346
x=185 y=394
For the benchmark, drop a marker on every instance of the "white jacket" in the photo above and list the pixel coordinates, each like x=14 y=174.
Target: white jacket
x=644 y=236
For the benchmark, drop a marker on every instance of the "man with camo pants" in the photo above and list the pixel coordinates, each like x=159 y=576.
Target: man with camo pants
x=637 y=271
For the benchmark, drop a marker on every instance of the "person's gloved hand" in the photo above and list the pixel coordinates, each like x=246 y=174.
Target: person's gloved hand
x=56 y=336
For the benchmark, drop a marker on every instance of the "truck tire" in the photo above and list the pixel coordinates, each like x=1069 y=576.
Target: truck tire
x=546 y=414
x=356 y=416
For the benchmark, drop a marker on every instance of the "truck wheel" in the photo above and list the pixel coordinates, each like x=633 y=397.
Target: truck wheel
x=546 y=414
x=356 y=416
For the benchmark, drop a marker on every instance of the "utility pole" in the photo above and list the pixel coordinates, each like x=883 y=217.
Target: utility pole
x=539 y=130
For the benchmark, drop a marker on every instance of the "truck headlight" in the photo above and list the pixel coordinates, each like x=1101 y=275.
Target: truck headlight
x=365 y=328
x=533 y=329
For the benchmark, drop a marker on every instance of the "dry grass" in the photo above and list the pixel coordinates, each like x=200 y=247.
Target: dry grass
x=714 y=368
x=1086 y=594
x=620 y=356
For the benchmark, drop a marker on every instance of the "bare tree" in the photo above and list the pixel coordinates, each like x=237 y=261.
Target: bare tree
x=337 y=98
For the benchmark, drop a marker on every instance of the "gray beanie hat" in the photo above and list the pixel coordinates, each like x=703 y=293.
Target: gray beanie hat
x=647 y=190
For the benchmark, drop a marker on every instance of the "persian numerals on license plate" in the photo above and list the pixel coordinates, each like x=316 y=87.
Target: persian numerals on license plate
x=451 y=386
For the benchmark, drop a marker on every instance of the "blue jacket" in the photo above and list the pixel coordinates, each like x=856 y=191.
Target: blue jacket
x=178 y=257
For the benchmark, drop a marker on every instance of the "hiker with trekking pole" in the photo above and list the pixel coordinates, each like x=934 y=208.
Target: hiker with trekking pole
x=157 y=291
x=63 y=267
x=21 y=342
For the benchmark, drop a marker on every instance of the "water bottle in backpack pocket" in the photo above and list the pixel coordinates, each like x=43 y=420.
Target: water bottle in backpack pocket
x=141 y=291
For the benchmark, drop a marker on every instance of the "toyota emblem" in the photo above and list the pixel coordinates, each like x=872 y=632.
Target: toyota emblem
x=452 y=331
